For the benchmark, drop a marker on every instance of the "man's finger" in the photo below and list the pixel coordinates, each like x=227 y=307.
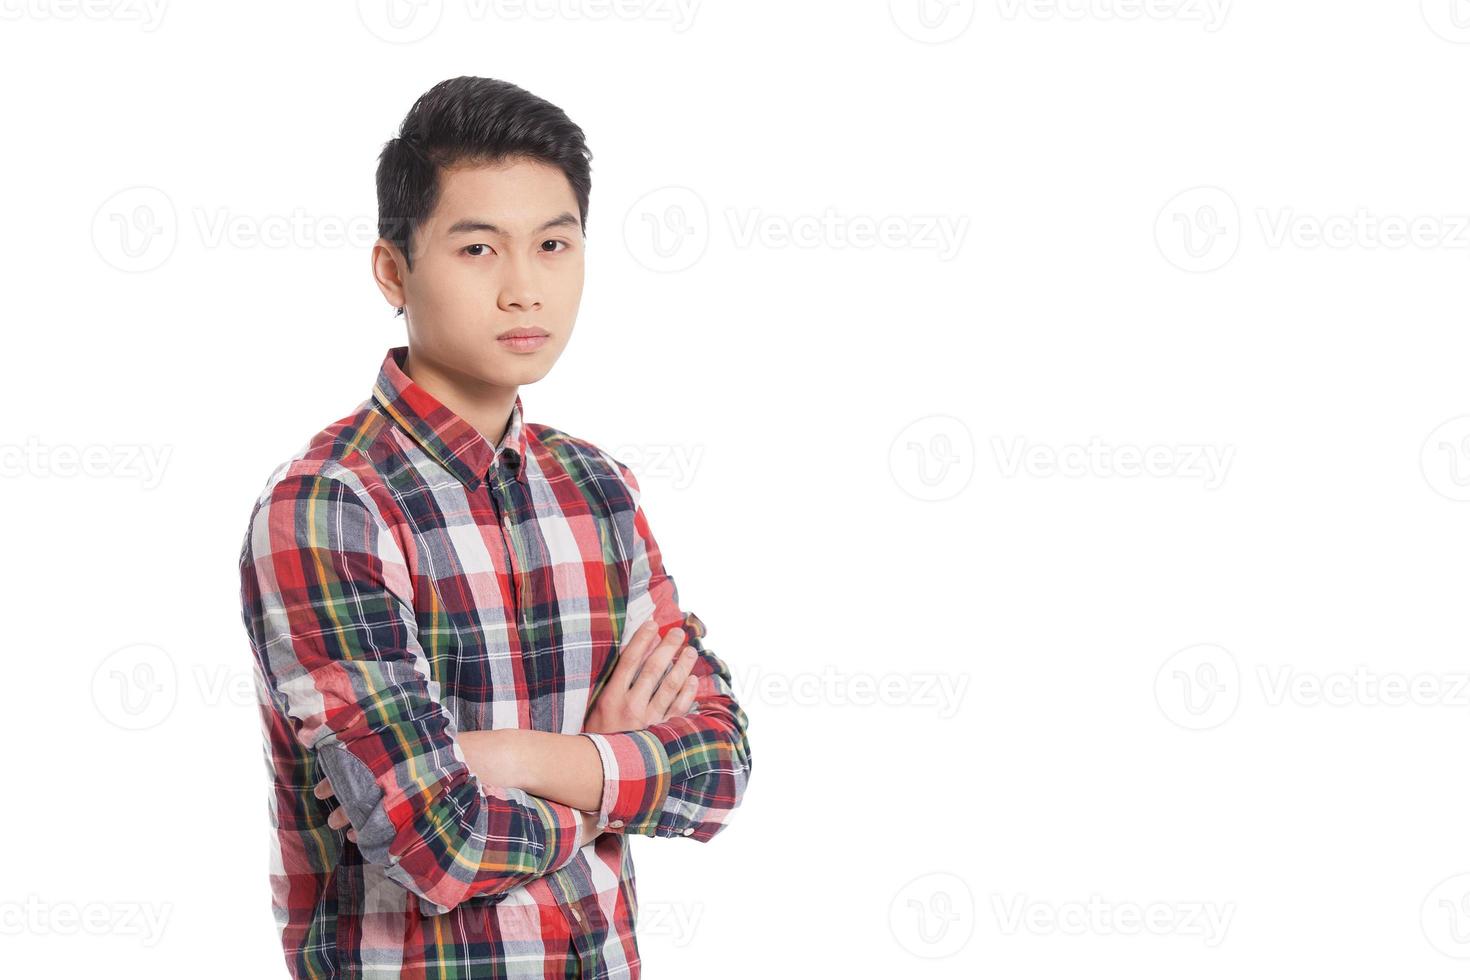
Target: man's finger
x=674 y=681
x=322 y=790
x=632 y=656
x=652 y=671
x=685 y=700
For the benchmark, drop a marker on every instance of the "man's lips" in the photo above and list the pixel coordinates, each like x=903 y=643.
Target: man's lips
x=522 y=332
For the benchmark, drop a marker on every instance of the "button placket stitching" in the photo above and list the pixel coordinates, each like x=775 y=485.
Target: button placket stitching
x=495 y=487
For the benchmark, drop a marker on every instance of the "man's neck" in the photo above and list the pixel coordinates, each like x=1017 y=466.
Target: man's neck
x=484 y=406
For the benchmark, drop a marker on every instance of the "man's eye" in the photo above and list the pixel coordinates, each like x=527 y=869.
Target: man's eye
x=555 y=241
x=469 y=249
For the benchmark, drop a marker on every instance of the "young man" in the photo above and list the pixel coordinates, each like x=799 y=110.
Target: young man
x=475 y=679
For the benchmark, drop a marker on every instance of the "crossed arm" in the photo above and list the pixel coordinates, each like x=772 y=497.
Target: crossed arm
x=649 y=683
x=327 y=601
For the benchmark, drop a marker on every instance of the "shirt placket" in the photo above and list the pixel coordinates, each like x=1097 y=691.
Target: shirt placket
x=496 y=489
x=512 y=507
x=587 y=926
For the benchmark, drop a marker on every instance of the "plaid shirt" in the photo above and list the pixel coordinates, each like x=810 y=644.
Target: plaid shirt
x=403 y=580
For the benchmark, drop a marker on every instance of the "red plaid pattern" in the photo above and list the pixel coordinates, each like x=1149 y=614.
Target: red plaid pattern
x=403 y=580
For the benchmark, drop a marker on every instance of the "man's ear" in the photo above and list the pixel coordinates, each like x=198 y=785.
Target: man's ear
x=388 y=269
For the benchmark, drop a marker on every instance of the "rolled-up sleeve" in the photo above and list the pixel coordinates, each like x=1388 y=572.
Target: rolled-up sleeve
x=683 y=777
x=327 y=600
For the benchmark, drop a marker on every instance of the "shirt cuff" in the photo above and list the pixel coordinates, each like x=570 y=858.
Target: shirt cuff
x=563 y=823
x=636 y=777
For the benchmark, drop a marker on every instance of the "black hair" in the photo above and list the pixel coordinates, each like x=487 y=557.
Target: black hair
x=471 y=120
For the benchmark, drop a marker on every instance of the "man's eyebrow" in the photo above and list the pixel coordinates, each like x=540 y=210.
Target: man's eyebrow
x=562 y=220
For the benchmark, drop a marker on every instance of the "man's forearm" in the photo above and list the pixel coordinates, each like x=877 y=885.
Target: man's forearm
x=563 y=768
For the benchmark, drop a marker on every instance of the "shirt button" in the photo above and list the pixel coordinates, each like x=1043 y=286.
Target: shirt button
x=615 y=823
x=688 y=831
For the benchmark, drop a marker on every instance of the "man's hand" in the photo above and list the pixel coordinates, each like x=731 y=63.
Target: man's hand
x=337 y=819
x=625 y=704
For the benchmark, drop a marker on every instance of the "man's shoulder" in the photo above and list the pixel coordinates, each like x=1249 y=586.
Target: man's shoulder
x=348 y=451
x=575 y=451
x=599 y=474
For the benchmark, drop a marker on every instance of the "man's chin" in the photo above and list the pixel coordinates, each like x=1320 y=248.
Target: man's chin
x=522 y=370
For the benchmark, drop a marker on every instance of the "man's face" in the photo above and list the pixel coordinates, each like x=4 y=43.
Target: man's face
x=502 y=250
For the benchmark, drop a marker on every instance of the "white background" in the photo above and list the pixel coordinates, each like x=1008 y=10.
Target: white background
x=927 y=284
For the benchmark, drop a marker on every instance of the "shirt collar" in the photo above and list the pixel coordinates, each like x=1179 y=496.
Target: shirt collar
x=454 y=443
